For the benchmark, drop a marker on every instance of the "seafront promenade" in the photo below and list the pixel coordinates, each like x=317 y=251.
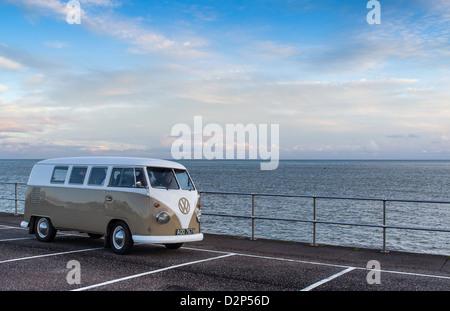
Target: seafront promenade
x=218 y=263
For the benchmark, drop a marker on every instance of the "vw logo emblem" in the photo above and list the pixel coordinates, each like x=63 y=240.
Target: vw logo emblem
x=184 y=205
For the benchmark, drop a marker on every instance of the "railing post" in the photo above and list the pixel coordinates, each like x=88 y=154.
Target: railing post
x=384 y=228
x=15 y=195
x=199 y=203
x=253 y=216
x=314 y=221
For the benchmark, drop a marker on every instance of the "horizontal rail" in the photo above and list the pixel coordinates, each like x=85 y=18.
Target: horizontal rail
x=308 y=196
x=325 y=222
x=316 y=221
x=12 y=199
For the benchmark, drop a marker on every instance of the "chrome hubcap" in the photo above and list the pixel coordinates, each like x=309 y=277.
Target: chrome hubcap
x=42 y=227
x=118 y=237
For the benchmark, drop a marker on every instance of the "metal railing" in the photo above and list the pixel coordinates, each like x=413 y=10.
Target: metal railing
x=16 y=195
x=315 y=221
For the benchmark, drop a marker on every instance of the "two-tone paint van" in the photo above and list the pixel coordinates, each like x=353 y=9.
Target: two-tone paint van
x=127 y=200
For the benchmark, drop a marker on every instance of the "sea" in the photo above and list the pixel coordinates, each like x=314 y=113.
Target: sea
x=390 y=179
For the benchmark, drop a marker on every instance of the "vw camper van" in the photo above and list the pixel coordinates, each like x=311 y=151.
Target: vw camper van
x=127 y=200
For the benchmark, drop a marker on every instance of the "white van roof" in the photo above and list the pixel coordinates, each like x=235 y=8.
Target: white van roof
x=112 y=161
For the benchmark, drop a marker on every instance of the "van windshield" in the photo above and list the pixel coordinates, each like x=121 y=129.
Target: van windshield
x=184 y=180
x=162 y=178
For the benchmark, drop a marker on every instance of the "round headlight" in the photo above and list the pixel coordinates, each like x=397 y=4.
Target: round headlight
x=162 y=218
x=199 y=215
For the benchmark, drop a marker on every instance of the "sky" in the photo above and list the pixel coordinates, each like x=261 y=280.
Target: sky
x=117 y=83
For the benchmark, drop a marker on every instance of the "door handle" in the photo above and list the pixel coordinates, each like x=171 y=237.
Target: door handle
x=108 y=198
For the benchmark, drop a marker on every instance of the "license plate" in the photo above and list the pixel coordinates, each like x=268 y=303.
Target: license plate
x=185 y=231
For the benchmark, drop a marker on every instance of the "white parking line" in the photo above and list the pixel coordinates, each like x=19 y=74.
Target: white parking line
x=152 y=272
x=4 y=227
x=52 y=254
x=312 y=286
x=326 y=264
x=274 y=258
x=16 y=239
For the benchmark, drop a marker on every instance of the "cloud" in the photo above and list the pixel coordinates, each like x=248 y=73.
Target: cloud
x=120 y=27
x=131 y=31
x=33 y=80
x=11 y=147
x=358 y=91
x=21 y=60
x=6 y=63
x=101 y=3
x=202 y=13
x=403 y=136
x=271 y=49
x=128 y=109
x=414 y=34
x=17 y=124
x=56 y=44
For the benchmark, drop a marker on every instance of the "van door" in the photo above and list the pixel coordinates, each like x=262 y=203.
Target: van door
x=127 y=199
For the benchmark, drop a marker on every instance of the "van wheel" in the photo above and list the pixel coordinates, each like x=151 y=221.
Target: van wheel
x=120 y=238
x=173 y=246
x=44 y=230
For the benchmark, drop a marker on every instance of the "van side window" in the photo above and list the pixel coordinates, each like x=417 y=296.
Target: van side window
x=59 y=174
x=78 y=174
x=98 y=176
x=140 y=177
x=122 y=177
x=161 y=177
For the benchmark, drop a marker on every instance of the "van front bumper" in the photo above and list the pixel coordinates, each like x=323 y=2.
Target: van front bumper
x=167 y=239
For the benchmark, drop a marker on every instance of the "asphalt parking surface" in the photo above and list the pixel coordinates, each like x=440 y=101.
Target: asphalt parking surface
x=218 y=263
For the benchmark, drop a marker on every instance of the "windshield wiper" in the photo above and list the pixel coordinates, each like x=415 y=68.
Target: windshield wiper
x=169 y=183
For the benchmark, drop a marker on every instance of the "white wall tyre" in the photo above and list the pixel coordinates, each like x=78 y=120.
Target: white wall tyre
x=121 y=241
x=44 y=230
